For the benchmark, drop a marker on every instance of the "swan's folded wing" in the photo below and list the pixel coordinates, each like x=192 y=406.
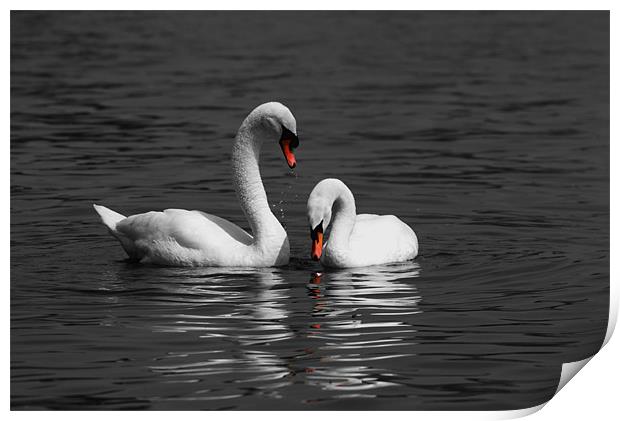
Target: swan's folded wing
x=382 y=239
x=369 y=233
x=191 y=229
x=235 y=231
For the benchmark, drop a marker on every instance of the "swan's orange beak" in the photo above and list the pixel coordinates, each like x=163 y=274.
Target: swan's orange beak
x=288 y=142
x=317 y=242
x=317 y=247
x=285 y=144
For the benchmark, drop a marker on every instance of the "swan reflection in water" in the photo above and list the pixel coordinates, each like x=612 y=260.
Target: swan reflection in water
x=255 y=334
x=359 y=322
x=239 y=320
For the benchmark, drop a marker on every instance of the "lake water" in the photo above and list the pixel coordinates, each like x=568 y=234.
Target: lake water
x=488 y=133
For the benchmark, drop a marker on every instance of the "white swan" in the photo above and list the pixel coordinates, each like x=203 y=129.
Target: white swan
x=177 y=237
x=354 y=240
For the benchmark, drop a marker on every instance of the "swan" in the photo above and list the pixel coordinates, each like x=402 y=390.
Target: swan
x=178 y=237
x=354 y=240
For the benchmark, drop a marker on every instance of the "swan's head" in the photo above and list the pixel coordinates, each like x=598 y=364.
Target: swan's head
x=277 y=121
x=319 y=214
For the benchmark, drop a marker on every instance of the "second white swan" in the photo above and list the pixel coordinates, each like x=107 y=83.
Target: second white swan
x=354 y=240
x=178 y=237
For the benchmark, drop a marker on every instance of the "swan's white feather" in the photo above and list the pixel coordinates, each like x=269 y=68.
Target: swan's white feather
x=180 y=237
x=109 y=217
x=111 y=220
x=185 y=238
x=379 y=239
x=357 y=240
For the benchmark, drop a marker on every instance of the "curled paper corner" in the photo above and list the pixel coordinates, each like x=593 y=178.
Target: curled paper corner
x=520 y=413
x=569 y=370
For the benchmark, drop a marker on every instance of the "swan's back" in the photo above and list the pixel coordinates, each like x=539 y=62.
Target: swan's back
x=178 y=236
x=187 y=227
x=378 y=239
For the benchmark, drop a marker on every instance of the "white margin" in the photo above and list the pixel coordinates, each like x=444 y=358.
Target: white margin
x=581 y=392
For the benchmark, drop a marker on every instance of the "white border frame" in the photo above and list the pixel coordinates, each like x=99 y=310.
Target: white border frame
x=594 y=387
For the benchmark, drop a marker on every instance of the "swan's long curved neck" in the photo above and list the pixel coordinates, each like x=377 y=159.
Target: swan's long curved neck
x=343 y=218
x=249 y=185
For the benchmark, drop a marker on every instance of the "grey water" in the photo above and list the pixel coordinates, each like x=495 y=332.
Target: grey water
x=488 y=133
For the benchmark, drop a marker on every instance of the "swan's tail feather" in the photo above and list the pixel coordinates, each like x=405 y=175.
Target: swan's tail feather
x=110 y=219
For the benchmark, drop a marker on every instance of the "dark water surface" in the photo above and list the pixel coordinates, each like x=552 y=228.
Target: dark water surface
x=487 y=133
